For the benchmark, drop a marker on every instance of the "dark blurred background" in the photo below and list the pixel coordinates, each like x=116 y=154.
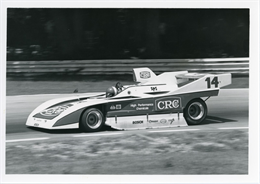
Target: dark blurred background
x=88 y=33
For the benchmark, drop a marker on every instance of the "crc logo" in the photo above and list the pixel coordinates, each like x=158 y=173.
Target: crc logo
x=167 y=103
x=145 y=75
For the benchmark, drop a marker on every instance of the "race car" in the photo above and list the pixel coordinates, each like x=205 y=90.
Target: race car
x=171 y=99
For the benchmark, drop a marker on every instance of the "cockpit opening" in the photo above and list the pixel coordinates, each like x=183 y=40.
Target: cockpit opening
x=114 y=90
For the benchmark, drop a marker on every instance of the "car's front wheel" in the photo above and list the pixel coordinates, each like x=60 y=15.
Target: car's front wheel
x=92 y=120
x=195 y=111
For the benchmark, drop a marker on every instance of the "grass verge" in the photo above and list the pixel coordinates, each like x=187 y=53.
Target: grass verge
x=214 y=152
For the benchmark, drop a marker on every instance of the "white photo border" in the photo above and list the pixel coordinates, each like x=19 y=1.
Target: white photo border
x=252 y=177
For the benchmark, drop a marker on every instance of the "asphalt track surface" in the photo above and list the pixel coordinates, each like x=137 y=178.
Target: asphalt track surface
x=229 y=110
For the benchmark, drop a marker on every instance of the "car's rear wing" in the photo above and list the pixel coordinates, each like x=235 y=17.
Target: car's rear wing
x=143 y=75
x=199 y=82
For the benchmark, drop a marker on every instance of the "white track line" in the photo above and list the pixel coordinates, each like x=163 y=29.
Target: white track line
x=228 y=128
x=183 y=130
x=87 y=135
x=32 y=139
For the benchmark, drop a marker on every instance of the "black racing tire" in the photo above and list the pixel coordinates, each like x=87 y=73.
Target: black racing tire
x=195 y=111
x=92 y=120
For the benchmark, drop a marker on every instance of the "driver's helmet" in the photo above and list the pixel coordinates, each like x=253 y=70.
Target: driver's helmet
x=111 y=91
x=119 y=87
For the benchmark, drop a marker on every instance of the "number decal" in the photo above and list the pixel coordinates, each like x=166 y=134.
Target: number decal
x=213 y=82
x=154 y=88
x=208 y=82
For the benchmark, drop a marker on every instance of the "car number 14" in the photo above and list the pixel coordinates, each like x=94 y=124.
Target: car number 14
x=213 y=82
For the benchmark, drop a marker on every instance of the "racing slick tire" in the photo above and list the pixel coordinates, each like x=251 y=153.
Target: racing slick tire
x=92 y=120
x=195 y=111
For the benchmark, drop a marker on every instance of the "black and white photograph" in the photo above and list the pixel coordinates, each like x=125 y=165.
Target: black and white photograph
x=136 y=92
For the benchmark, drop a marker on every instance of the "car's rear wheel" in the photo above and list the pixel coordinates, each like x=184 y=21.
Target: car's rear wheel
x=92 y=120
x=195 y=111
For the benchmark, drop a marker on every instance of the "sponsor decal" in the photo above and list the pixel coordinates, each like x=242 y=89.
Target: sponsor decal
x=167 y=103
x=138 y=122
x=145 y=74
x=163 y=121
x=117 y=106
x=153 y=121
x=55 y=111
x=145 y=105
x=171 y=120
x=133 y=105
x=39 y=120
x=142 y=106
x=154 y=88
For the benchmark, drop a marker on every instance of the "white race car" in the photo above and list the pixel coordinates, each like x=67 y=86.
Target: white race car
x=170 y=99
